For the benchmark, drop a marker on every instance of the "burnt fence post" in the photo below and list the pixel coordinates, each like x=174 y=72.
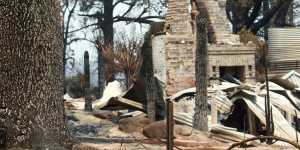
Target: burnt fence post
x=87 y=96
x=170 y=125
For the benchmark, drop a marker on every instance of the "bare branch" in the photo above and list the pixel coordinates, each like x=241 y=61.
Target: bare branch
x=145 y=20
x=87 y=26
x=81 y=39
x=97 y=15
x=131 y=5
x=68 y=22
x=118 y=2
x=255 y=12
x=267 y=17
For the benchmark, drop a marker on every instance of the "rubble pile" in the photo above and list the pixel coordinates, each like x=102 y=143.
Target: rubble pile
x=236 y=112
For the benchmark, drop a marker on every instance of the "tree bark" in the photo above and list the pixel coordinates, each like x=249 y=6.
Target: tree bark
x=243 y=15
x=87 y=96
x=200 y=116
x=31 y=74
x=101 y=72
x=281 y=17
x=149 y=78
x=266 y=8
x=107 y=26
x=291 y=15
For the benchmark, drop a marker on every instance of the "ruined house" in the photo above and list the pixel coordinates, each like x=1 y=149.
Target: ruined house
x=173 y=47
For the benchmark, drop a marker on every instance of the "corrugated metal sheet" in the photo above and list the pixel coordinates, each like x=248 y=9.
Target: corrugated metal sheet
x=284 y=44
x=283 y=67
x=284 y=50
x=293 y=76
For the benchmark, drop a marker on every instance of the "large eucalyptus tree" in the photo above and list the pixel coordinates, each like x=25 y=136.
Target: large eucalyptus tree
x=31 y=70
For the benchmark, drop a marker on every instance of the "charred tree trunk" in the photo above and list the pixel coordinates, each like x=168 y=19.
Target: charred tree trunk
x=156 y=107
x=266 y=7
x=31 y=105
x=244 y=14
x=87 y=96
x=150 y=80
x=200 y=116
x=108 y=30
x=101 y=72
x=281 y=17
x=291 y=15
x=107 y=27
x=86 y=70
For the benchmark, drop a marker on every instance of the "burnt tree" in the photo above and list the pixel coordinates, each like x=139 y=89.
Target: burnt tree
x=87 y=96
x=154 y=95
x=200 y=116
x=31 y=104
x=247 y=14
x=103 y=17
x=150 y=80
x=102 y=11
x=101 y=72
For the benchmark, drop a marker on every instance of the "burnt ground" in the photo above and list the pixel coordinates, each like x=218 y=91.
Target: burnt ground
x=100 y=131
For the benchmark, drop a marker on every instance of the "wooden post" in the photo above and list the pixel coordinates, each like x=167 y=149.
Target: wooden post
x=214 y=112
x=87 y=97
x=170 y=125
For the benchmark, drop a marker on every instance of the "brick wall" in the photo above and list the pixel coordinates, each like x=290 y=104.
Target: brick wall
x=180 y=45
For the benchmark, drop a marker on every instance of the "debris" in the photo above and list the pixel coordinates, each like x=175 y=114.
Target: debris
x=158 y=130
x=113 y=89
x=285 y=83
x=238 y=113
x=257 y=106
x=293 y=76
x=242 y=108
x=133 y=124
x=76 y=104
x=103 y=114
x=296 y=145
x=120 y=102
x=230 y=134
x=85 y=130
x=67 y=97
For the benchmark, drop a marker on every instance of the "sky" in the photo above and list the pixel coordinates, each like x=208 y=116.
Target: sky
x=131 y=30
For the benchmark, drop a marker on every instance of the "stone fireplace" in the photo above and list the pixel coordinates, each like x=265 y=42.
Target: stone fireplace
x=174 y=51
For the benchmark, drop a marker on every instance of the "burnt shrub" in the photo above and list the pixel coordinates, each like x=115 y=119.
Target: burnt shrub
x=75 y=86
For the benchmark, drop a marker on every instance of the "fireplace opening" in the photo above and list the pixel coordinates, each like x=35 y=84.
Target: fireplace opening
x=237 y=72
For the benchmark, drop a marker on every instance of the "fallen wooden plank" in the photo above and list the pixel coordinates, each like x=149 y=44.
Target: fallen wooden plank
x=119 y=102
x=131 y=103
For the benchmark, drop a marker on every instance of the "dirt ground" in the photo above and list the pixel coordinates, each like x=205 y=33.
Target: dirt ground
x=100 y=131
